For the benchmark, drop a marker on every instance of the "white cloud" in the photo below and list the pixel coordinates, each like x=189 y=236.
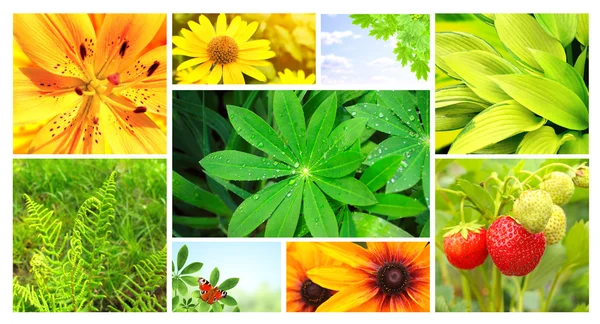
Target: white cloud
x=382 y=62
x=337 y=36
x=333 y=62
x=390 y=43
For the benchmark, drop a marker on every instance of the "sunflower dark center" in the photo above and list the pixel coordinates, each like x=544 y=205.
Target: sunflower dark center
x=314 y=294
x=392 y=278
x=222 y=49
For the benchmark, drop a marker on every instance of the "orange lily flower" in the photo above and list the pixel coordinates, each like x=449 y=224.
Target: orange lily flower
x=385 y=277
x=94 y=89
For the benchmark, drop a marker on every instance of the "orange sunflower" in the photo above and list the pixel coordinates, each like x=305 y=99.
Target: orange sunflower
x=303 y=295
x=385 y=277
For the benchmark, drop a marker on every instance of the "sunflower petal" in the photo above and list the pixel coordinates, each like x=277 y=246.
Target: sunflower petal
x=193 y=38
x=251 y=71
x=336 y=277
x=232 y=74
x=191 y=63
x=215 y=75
x=234 y=26
x=349 y=253
x=207 y=31
x=221 y=25
x=256 y=55
x=348 y=298
x=189 y=46
x=199 y=72
x=253 y=62
x=254 y=44
x=244 y=36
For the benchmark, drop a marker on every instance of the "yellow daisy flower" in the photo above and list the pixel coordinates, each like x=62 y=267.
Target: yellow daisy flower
x=222 y=53
x=289 y=77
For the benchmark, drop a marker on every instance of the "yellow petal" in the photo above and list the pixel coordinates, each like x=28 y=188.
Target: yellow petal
x=191 y=63
x=310 y=79
x=121 y=39
x=56 y=43
x=234 y=26
x=131 y=133
x=336 y=277
x=186 y=45
x=221 y=25
x=256 y=55
x=75 y=131
x=240 y=30
x=150 y=94
x=215 y=75
x=150 y=66
x=232 y=75
x=245 y=35
x=348 y=253
x=193 y=38
x=251 y=71
x=199 y=72
x=39 y=95
x=207 y=31
x=180 y=51
x=23 y=135
x=254 y=44
x=348 y=298
x=406 y=252
x=253 y=62
x=372 y=305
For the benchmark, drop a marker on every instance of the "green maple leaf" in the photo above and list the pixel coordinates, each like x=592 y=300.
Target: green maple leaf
x=403 y=54
x=421 y=68
x=362 y=20
x=382 y=30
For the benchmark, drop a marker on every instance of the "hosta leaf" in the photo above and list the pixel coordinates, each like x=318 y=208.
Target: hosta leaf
x=320 y=126
x=453 y=42
x=479 y=196
x=580 y=145
x=258 y=208
x=190 y=193
x=562 y=26
x=378 y=174
x=546 y=98
x=543 y=141
x=493 y=125
x=475 y=67
x=423 y=106
x=487 y=18
x=583 y=29
x=229 y=283
x=455 y=106
x=410 y=170
x=373 y=226
x=507 y=146
x=521 y=32
x=563 y=73
x=392 y=146
x=580 y=63
x=339 y=165
x=344 y=135
x=347 y=229
x=290 y=119
x=319 y=217
x=284 y=220
x=403 y=104
x=396 y=206
x=257 y=132
x=380 y=118
x=192 y=268
x=235 y=165
x=182 y=256
x=346 y=190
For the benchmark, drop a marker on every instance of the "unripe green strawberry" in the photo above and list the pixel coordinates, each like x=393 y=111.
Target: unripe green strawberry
x=560 y=187
x=557 y=226
x=533 y=210
x=582 y=177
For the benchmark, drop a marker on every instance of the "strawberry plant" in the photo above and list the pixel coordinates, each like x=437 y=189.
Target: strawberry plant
x=514 y=83
x=530 y=217
x=411 y=32
x=299 y=163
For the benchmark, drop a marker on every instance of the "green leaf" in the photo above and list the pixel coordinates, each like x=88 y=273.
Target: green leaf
x=455 y=106
x=392 y=146
x=561 y=26
x=521 y=32
x=543 y=141
x=348 y=229
x=190 y=280
x=546 y=98
x=229 y=284
x=441 y=305
x=259 y=134
x=196 y=293
x=320 y=126
x=349 y=95
x=180 y=286
x=403 y=104
x=378 y=174
x=217 y=308
x=577 y=243
x=344 y=135
x=193 y=112
x=228 y=301
x=479 y=196
x=182 y=256
x=361 y=20
x=339 y=165
x=396 y=206
x=379 y=118
x=290 y=119
x=563 y=73
x=552 y=260
x=236 y=309
x=580 y=145
x=425 y=230
x=196 y=222
x=214 y=277
x=192 y=268
x=475 y=68
x=241 y=166
x=420 y=68
x=410 y=170
x=315 y=99
x=319 y=217
x=373 y=226
x=455 y=42
x=581 y=308
x=425 y=177
x=346 y=190
x=229 y=186
x=258 y=208
x=423 y=106
x=496 y=123
x=583 y=29
x=580 y=63
x=196 y=196
x=507 y=146
x=203 y=307
x=284 y=220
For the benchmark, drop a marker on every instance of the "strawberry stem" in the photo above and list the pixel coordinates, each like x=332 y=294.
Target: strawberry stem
x=551 y=165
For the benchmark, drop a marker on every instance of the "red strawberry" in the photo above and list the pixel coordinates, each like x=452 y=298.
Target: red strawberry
x=514 y=250
x=466 y=253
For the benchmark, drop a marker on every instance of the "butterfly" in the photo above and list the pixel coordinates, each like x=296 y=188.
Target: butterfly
x=208 y=293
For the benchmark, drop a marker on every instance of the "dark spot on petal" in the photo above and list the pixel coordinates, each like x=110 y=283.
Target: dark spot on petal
x=153 y=68
x=140 y=110
x=78 y=91
x=123 y=48
x=82 y=51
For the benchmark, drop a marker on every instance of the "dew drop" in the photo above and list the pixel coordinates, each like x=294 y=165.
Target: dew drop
x=296 y=165
x=353 y=113
x=380 y=115
x=260 y=144
x=255 y=197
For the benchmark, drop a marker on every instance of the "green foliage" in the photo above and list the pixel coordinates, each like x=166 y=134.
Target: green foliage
x=74 y=271
x=525 y=94
x=412 y=37
x=294 y=160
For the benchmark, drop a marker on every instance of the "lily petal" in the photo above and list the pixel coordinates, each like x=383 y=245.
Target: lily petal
x=336 y=277
x=348 y=298
x=150 y=66
x=348 y=253
x=60 y=44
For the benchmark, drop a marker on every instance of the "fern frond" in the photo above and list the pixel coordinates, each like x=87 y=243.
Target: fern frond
x=49 y=228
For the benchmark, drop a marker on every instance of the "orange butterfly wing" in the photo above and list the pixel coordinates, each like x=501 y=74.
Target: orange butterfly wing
x=208 y=293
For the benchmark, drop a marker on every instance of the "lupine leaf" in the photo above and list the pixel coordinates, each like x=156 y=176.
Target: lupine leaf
x=290 y=119
x=190 y=193
x=346 y=190
x=410 y=170
x=380 y=118
x=403 y=104
x=378 y=174
x=396 y=206
x=319 y=217
x=320 y=126
x=236 y=165
x=373 y=226
x=339 y=165
x=284 y=220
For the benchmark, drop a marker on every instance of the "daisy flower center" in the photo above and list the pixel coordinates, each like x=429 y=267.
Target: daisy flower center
x=392 y=278
x=222 y=50
x=314 y=294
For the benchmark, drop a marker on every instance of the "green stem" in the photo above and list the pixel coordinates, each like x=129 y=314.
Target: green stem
x=568 y=167
x=466 y=291
x=522 y=292
x=548 y=301
x=454 y=192
x=493 y=290
x=499 y=293
x=462 y=209
x=476 y=291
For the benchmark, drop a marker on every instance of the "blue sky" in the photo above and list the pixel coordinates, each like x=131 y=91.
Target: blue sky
x=350 y=56
x=255 y=263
